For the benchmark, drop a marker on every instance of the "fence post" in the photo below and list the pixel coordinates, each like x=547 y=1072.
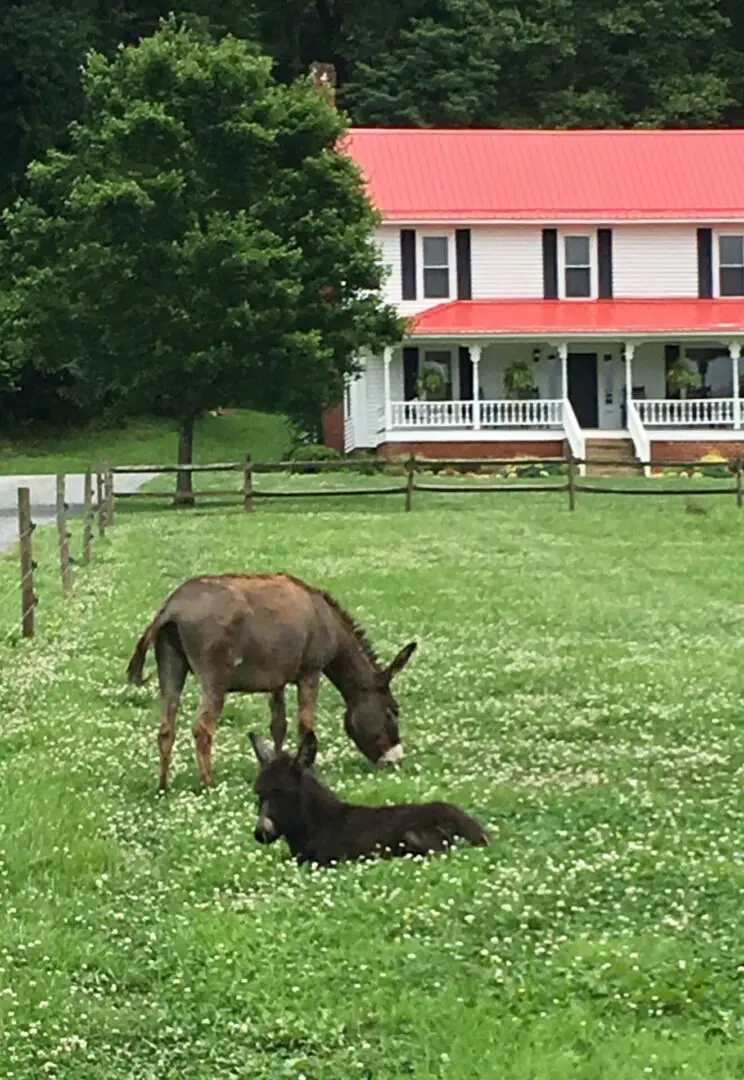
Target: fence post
x=100 y=505
x=109 y=489
x=411 y=472
x=739 y=486
x=248 y=484
x=571 y=481
x=87 y=517
x=63 y=536
x=25 y=529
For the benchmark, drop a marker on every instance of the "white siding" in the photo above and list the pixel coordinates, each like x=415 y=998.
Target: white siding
x=388 y=238
x=388 y=241
x=648 y=369
x=654 y=260
x=506 y=262
x=375 y=388
x=367 y=397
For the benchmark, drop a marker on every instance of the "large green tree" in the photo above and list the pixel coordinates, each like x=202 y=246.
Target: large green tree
x=201 y=242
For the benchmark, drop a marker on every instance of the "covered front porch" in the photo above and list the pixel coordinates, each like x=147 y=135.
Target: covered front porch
x=508 y=385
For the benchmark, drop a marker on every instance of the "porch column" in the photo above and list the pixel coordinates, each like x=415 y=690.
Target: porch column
x=563 y=354
x=475 y=357
x=735 y=352
x=387 y=357
x=628 y=353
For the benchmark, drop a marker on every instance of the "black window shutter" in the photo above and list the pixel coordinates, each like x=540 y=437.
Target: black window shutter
x=604 y=253
x=408 y=263
x=550 y=263
x=466 y=374
x=705 y=262
x=464 y=276
x=410 y=372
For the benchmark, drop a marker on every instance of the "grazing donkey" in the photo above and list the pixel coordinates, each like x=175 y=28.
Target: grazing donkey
x=322 y=829
x=257 y=632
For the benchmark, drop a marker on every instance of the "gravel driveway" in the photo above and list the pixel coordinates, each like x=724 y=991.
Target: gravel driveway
x=43 y=497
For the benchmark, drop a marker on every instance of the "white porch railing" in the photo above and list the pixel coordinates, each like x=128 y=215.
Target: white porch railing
x=638 y=433
x=533 y=412
x=431 y=414
x=692 y=412
x=464 y=414
x=574 y=434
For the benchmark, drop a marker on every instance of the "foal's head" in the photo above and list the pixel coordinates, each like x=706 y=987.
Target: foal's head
x=279 y=788
x=371 y=719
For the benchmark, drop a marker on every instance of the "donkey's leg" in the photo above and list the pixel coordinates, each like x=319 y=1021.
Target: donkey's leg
x=307 y=701
x=207 y=715
x=278 y=718
x=172 y=672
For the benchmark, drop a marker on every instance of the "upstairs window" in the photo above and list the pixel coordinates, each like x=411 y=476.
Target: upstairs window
x=435 y=250
x=731 y=265
x=577 y=252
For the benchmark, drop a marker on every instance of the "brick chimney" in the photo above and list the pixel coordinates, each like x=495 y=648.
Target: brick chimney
x=324 y=76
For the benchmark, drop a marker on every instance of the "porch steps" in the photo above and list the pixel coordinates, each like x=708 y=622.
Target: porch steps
x=612 y=457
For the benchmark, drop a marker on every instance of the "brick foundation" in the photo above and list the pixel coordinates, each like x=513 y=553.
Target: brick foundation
x=437 y=451
x=333 y=426
x=694 y=451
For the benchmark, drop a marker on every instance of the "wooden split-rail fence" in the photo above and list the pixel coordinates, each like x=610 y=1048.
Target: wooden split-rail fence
x=100 y=498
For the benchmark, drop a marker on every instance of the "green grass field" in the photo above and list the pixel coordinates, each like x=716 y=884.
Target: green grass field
x=578 y=687
x=149 y=442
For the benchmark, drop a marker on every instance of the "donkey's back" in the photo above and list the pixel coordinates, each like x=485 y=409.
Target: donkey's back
x=255 y=631
x=406 y=829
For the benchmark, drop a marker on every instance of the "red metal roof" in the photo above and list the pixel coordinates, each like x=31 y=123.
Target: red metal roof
x=575 y=318
x=435 y=175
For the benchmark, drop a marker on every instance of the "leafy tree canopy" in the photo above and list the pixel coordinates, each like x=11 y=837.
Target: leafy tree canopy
x=200 y=242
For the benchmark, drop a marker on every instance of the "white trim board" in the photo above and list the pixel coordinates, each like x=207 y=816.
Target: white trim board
x=470 y=435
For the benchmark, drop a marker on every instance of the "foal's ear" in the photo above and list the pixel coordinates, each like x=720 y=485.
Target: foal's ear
x=400 y=661
x=262 y=748
x=307 y=750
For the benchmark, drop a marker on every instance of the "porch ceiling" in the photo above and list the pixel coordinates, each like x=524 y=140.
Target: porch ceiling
x=583 y=318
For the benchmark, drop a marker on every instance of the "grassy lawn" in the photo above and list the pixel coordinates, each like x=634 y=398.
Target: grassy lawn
x=578 y=687
x=218 y=438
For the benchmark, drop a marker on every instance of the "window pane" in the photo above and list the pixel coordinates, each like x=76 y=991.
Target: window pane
x=435 y=251
x=731 y=249
x=577 y=251
x=578 y=282
x=436 y=283
x=732 y=281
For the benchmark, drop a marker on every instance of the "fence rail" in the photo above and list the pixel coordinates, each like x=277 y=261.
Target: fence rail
x=414 y=465
x=100 y=499
x=24 y=591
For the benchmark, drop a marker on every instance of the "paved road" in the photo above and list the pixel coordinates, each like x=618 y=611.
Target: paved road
x=43 y=496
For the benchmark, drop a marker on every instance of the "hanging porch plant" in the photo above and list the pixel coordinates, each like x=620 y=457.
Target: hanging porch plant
x=518 y=379
x=430 y=382
x=681 y=378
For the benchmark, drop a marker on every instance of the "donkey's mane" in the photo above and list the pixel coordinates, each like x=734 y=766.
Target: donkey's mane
x=355 y=628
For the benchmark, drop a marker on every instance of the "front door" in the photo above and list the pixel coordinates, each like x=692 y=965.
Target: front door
x=582 y=388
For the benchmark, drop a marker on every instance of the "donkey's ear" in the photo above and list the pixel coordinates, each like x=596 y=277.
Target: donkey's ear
x=400 y=661
x=307 y=750
x=262 y=748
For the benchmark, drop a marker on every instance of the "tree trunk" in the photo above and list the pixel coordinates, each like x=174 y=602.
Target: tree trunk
x=184 y=487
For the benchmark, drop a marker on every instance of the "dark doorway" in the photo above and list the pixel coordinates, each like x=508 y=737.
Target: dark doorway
x=583 y=388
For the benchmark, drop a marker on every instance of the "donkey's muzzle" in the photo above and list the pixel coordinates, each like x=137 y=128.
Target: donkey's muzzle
x=265 y=831
x=393 y=756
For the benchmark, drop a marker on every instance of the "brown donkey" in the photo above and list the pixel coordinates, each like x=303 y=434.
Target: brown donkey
x=321 y=829
x=249 y=633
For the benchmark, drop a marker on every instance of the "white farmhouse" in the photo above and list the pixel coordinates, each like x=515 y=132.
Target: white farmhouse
x=564 y=288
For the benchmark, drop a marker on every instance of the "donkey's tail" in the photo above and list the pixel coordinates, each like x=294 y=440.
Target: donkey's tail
x=462 y=824
x=137 y=663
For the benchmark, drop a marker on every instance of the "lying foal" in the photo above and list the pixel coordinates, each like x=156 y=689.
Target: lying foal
x=322 y=829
